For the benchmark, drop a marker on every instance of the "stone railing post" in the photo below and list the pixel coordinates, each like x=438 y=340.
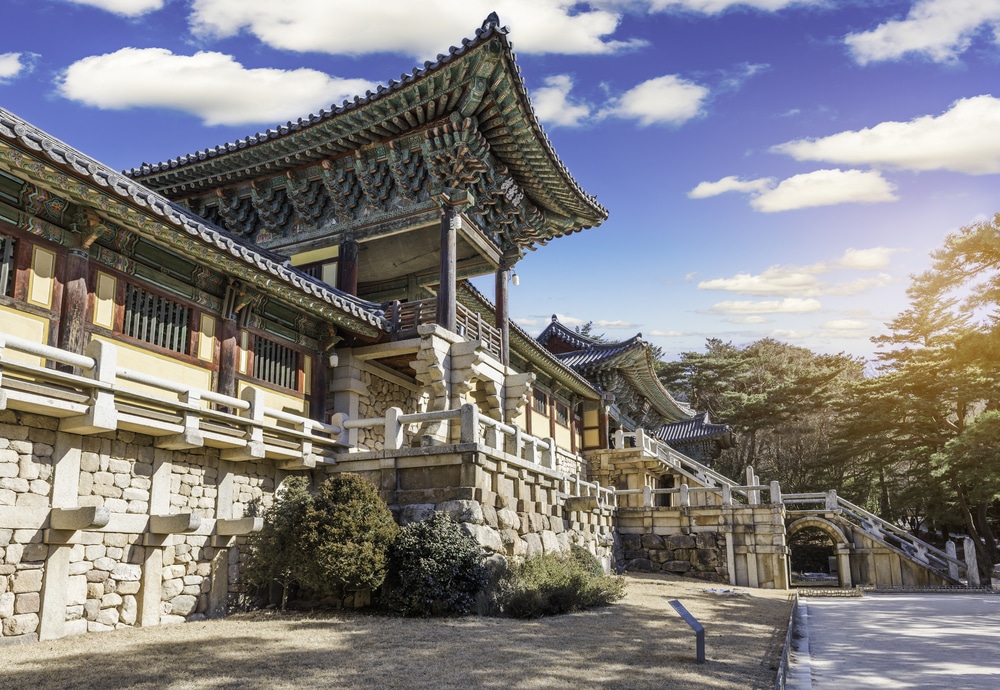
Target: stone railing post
x=469 y=431
x=775 y=493
x=551 y=456
x=685 y=497
x=515 y=442
x=949 y=548
x=831 y=500
x=640 y=439
x=753 y=495
x=647 y=496
x=393 y=429
x=531 y=451
x=620 y=439
x=102 y=415
x=727 y=495
x=491 y=437
x=254 y=449
x=191 y=436
x=971 y=562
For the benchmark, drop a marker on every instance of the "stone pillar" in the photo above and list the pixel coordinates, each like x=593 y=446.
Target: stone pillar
x=844 y=566
x=348 y=386
x=347 y=268
x=971 y=562
x=74 y=303
x=949 y=548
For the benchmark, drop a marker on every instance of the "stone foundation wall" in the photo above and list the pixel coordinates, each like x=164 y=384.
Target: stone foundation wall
x=118 y=575
x=701 y=556
x=513 y=511
x=380 y=396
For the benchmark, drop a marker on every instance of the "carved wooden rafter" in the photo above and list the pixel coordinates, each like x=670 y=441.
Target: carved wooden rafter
x=273 y=207
x=307 y=197
x=456 y=153
x=376 y=180
x=343 y=188
x=237 y=214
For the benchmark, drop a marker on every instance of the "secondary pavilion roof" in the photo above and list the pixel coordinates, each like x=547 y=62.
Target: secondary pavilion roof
x=471 y=97
x=625 y=368
x=122 y=207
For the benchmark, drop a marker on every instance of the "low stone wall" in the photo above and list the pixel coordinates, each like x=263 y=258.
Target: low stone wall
x=743 y=544
x=701 y=556
x=56 y=582
x=512 y=510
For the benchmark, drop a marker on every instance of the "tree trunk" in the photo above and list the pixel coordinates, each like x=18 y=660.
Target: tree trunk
x=981 y=518
x=982 y=557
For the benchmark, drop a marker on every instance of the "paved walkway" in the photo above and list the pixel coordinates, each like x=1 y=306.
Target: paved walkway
x=911 y=641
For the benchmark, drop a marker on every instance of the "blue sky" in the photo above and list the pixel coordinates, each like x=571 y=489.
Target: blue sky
x=771 y=167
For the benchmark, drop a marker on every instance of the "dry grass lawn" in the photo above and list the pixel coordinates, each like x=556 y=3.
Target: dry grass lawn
x=638 y=643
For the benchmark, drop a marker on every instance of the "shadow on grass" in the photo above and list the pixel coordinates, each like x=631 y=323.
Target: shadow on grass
x=627 y=645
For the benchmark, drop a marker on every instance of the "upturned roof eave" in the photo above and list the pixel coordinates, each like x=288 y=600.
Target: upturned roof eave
x=284 y=145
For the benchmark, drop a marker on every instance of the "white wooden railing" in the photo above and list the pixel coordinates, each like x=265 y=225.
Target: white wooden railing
x=100 y=399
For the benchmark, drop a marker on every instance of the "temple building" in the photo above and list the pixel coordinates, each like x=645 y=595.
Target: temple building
x=177 y=340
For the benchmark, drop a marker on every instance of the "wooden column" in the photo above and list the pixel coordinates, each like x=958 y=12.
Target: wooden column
x=347 y=269
x=317 y=401
x=228 y=357
x=502 y=310
x=74 y=303
x=451 y=201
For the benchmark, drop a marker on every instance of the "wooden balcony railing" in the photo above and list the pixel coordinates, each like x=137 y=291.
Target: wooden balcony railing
x=406 y=316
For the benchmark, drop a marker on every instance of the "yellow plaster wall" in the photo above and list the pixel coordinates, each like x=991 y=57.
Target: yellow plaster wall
x=159 y=365
x=27 y=326
x=280 y=401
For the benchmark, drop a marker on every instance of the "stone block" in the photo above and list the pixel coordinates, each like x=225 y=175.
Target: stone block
x=171 y=588
x=652 y=541
x=677 y=566
x=680 y=541
x=108 y=617
x=116 y=539
x=508 y=519
x=631 y=542
x=125 y=588
x=641 y=565
x=32 y=501
x=488 y=538
x=80 y=568
x=550 y=543
x=76 y=590
x=75 y=626
x=95 y=575
x=7 y=604
x=533 y=545
x=35 y=552
x=127 y=572
x=26 y=581
x=129 y=610
x=20 y=624
x=183 y=605
x=105 y=563
x=13 y=553
x=89 y=462
x=14 y=483
x=113 y=600
x=463 y=511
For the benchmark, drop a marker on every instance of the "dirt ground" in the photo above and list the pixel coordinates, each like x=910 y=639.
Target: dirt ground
x=639 y=642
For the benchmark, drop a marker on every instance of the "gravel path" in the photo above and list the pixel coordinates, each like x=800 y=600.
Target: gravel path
x=638 y=643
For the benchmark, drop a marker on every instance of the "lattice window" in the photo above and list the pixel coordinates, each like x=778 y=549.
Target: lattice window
x=540 y=401
x=562 y=414
x=275 y=363
x=155 y=319
x=7 y=268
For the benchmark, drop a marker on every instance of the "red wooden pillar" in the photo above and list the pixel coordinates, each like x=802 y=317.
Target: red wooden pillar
x=502 y=310
x=228 y=357
x=74 y=301
x=451 y=201
x=347 y=268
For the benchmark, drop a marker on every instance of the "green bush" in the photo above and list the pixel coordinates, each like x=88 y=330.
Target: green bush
x=330 y=544
x=347 y=532
x=435 y=568
x=276 y=554
x=552 y=584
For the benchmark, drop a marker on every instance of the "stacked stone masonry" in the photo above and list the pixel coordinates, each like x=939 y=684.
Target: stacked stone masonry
x=380 y=395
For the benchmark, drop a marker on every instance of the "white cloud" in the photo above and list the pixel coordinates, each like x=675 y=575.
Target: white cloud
x=615 y=325
x=731 y=183
x=707 y=6
x=845 y=325
x=10 y=66
x=211 y=86
x=964 y=139
x=803 y=281
x=786 y=334
x=818 y=188
x=789 y=305
x=669 y=99
x=400 y=26
x=937 y=29
x=667 y=334
x=826 y=188
x=125 y=8
x=553 y=106
x=746 y=319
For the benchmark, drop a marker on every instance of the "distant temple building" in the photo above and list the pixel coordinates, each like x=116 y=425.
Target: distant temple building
x=177 y=340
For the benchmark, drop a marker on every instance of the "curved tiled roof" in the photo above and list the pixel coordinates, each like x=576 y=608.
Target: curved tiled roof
x=542 y=175
x=218 y=240
x=699 y=428
x=633 y=357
